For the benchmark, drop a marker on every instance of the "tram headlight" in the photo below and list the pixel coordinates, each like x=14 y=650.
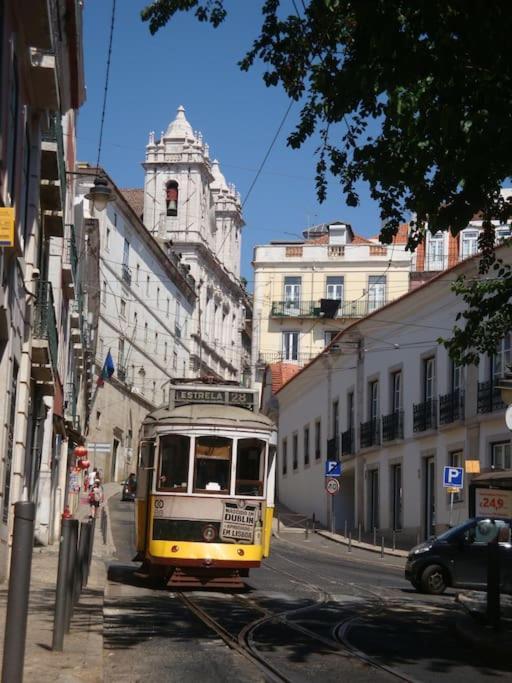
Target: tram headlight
x=209 y=533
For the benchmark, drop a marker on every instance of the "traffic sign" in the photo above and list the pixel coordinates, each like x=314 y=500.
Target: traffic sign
x=332 y=486
x=453 y=477
x=508 y=417
x=332 y=468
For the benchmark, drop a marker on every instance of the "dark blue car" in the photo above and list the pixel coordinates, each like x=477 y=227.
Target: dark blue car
x=458 y=557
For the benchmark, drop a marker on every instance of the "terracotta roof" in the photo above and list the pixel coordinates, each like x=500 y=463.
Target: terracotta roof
x=281 y=373
x=135 y=198
x=324 y=239
x=401 y=236
x=360 y=240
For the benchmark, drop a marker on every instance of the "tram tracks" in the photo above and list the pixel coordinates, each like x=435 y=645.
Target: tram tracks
x=244 y=642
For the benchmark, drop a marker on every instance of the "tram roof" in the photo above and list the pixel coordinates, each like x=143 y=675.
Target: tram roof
x=208 y=414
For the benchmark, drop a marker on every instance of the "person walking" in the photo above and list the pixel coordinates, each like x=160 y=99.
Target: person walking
x=93 y=475
x=95 y=498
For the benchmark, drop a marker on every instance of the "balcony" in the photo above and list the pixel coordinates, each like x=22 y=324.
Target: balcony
x=347 y=442
x=333 y=448
x=126 y=274
x=451 y=407
x=70 y=261
x=312 y=309
x=44 y=338
x=53 y=177
x=121 y=373
x=424 y=416
x=393 y=426
x=369 y=434
x=489 y=398
x=300 y=359
x=70 y=405
x=43 y=78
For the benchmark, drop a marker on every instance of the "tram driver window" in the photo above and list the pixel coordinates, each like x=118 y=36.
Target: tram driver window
x=250 y=459
x=212 y=471
x=174 y=456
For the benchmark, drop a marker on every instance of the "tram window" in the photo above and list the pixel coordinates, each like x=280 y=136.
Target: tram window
x=174 y=456
x=250 y=461
x=145 y=469
x=212 y=473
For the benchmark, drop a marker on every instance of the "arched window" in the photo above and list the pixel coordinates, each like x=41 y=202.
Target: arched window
x=171 y=198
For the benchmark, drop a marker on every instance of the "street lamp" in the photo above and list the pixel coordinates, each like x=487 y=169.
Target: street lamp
x=100 y=193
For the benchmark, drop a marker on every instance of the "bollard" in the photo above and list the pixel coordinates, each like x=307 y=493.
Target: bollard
x=104 y=525
x=80 y=564
x=70 y=575
x=59 y=619
x=278 y=524
x=84 y=569
x=92 y=526
x=359 y=532
x=350 y=542
x=314 y=523
x=374 y=535
x=19 y=588
x=394 y=539
x=493 y=585
x=381 y=547
x=345 y=532
x=306 y=530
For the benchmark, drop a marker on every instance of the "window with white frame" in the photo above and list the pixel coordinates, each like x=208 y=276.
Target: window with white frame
x=376 y=291
x=429 y=378
x=373 y=400
x=135 y=327
x=290 y=346
x=165 y=350
x=396 y=391
x=174 y=360
x=457 y=377
x=502 y=232
x=436 y=258
x=145 y=333
x=469 y=243
x=292 y=291
x=156 y=342
x=104 y=293
x=502 y=359
x=126 y=253
x=120 y=353
x=334 y=287
x=501 y=455
x=168 y=308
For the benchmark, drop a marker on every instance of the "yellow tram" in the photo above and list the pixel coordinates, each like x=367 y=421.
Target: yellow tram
x=205 y=486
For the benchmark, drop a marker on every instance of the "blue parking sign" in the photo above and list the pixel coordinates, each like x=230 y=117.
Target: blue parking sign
x=332 y=468
x=453 y=476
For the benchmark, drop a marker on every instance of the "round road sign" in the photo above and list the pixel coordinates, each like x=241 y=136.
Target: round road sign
x=508 y=417
x=332 y=486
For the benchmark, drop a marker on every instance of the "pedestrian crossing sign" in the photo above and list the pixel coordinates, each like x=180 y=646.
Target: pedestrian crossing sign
x=332 y=468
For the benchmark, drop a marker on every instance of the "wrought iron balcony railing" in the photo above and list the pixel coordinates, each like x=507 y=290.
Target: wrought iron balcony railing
x=45 y=325
x=369 y=433
x=424 y=415
x=54 y=134
x=280 y=357
x=451 y=407
x=70 y=251
x=121 y=373
x=393 y=426
x=489 y=398
x=347 y=442
x=333 y=448
x=312 y=309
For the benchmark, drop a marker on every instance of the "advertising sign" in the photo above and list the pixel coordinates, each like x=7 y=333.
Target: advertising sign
x=238 y=522
x=493 y=502
x=6 y=227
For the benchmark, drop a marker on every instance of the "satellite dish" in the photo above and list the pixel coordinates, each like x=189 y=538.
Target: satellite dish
x=508 y=417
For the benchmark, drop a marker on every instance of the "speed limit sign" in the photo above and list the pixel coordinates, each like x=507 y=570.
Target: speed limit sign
x=332 y=486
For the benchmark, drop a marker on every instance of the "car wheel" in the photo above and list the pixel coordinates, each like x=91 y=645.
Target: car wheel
x=433 y=580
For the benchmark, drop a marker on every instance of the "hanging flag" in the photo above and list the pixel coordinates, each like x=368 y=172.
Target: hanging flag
x=107 y=370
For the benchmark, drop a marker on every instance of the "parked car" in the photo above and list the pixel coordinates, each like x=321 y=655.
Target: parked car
x=129 y=488
x=458 y=557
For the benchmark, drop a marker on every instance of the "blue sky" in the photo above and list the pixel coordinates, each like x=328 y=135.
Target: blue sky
x=195 y=65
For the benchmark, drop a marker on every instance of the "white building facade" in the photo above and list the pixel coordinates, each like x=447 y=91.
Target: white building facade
x=188 y=205
x=387 y=401
x=140 y=300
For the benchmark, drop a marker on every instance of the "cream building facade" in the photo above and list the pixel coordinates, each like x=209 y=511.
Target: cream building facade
x=140 y=301
x=306 y=292
x=385 y=399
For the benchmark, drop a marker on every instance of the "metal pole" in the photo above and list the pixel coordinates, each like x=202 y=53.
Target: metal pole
x=493 y=584
x=381 y=547
x=314 y=523
x=332 y=515
x=278 y=524
x=81 y=555
x=345 y=532
x=350 y=542
x=394 y=539
x=92 y=523
x=59 y=619
x=306 y=530
x=359 y=532
x=374 y=535
x=70 y=576
x=19 y=588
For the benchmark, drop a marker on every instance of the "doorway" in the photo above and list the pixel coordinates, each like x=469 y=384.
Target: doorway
x=113 y=462
x=373 y=499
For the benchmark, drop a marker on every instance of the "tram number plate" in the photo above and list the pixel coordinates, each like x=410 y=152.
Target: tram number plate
x=238 y=522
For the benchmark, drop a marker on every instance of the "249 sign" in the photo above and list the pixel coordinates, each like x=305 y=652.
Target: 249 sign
x=493 y=501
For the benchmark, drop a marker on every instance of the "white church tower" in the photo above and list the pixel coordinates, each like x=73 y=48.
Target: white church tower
x=189 y=206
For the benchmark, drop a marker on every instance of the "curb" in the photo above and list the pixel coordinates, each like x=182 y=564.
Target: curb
x=336 y=538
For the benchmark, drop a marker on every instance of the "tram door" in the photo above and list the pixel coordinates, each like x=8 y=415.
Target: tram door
x=143 y=495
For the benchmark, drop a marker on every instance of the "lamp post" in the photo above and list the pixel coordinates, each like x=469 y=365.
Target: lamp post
x=100 y=193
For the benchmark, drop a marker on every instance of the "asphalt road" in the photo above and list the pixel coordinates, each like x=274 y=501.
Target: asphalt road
x=317 y=612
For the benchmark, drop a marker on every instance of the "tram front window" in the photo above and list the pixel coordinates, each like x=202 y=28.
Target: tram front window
x=212 y=472
x=174 y=457
x=250 y=460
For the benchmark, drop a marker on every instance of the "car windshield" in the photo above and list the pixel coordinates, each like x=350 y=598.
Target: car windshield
x=454 y=532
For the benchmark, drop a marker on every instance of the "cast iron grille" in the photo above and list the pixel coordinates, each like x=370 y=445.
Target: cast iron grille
x=370 y=433
x=424 y=415
x=393 y=426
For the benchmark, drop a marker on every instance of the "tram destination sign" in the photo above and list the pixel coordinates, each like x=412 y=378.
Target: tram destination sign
x=244 y=399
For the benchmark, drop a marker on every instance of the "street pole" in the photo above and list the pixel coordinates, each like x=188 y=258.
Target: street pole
x=451 y=509
x=333 y=526
x=19 y=589
x=59 y=619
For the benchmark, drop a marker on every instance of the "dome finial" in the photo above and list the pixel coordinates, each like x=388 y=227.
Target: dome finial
x=180 y=128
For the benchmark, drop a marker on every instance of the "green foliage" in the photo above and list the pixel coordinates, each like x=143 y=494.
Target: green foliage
x=434 y=77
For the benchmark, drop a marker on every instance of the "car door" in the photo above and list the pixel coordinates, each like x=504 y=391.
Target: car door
x=471 y=564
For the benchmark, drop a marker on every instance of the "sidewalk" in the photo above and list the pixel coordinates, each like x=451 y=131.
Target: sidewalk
x=472 y=628
x=82 y=658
